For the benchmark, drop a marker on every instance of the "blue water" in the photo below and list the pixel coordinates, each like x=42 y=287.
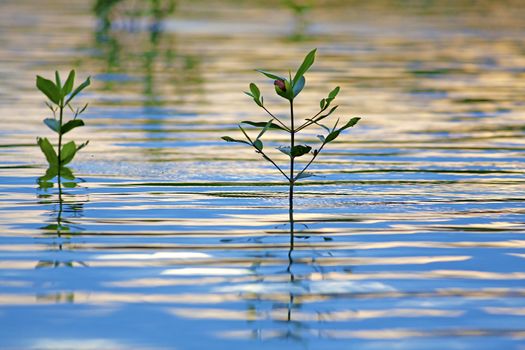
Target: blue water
x=409 y=237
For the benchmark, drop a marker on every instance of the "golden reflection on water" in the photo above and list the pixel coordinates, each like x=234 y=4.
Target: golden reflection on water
x=419 y=206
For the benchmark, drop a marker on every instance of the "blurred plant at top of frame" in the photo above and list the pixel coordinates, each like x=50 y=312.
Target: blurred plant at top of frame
x=289 y=88
x=60 y=96
x=300 y=9
x=156 y=9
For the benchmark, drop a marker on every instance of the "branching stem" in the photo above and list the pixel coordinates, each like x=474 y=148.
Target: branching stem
x=274 y=117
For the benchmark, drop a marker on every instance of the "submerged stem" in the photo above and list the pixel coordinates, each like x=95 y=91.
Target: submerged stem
x=60 y=204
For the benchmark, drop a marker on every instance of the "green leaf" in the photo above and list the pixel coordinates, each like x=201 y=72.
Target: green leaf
x=53 y=124
x=258 y=144
x=297 y=151
x=263 y=124
x=83 y=109
x=58 y=81
x=82 y=145
x=333 y=93
x=300 y=150
x=78 y=89
x=332 y=136
x=67 y=173
x=48 y=88
x=322 y=103
x=307 y=63
x=255 y=94
x=266 y=127
x=229 y=139
x=68 y=85
x=270 y=75
x=70 y=125
x=68 y=152
x=48 y=151
x=332 y=110
x=69 y=184
x=350 y=123
x=298 y=86
x=255 y=91
x=51 y=172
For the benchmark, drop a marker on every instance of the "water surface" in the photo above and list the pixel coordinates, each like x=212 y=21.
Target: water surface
x=410 y=237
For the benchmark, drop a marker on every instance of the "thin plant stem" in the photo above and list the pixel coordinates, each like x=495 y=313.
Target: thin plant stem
x=61 y=106
x=291 y=178
x=309 y=122
x=60 y=203
x=274 y=164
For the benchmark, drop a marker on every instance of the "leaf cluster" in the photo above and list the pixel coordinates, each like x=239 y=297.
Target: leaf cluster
x=289 y=89
x=61 y=95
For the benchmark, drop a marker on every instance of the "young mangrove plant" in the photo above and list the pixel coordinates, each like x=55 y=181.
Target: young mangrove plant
x=289 y=89
x=60 y=97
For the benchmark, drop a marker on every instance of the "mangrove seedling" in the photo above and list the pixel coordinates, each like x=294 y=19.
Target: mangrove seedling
x=289 y=89
x=60 y=96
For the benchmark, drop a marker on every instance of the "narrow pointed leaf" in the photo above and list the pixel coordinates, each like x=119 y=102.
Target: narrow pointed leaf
x=229 y=139
x=68 y=152
x=307 y=63
x=48 y=151
x=298 y=86
x=58 y=81
x=78 y=89
x=332 y=136
x=333 y=93
x=270 y=75
x=304 y=175
x=350 y=123
x=68 y=85
x=265 y=128
x=48 y=88
x=263 y=124
x=70 y=125
x=82 y=145
x=83 y=108
x=322 y=103
x=53 y=124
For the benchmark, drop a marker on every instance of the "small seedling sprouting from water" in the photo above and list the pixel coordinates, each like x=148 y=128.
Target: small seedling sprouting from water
x=60 y=97
x=289 y=89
